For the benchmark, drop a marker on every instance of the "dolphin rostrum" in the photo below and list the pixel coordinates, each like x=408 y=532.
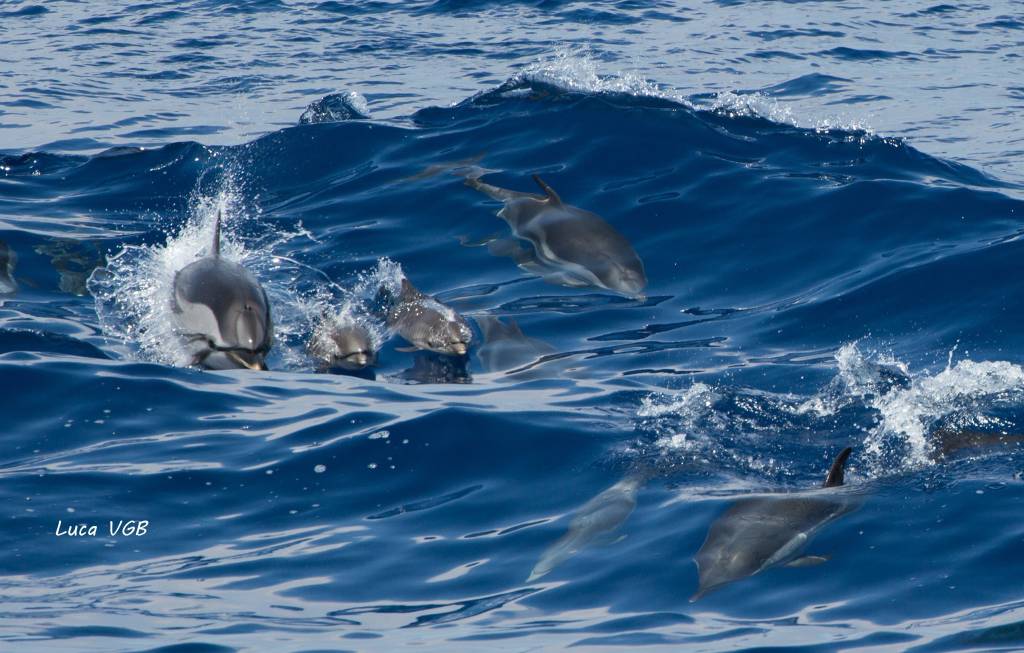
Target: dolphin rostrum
x=759 y=532
x=571 y=247
x=596 y=519
x=428 y=324
x=343 y=343
x=222 y=312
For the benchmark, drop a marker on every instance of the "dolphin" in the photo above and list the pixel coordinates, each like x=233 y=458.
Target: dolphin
x=759 y=532
x=571 y=247
x=595 y=520
x=222 y=312
x=8 y=259
x=345 y=344
x=505 y=346
x=428 y=324
x=946 y=443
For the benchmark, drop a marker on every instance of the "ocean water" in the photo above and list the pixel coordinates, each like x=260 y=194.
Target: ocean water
x=827 y=201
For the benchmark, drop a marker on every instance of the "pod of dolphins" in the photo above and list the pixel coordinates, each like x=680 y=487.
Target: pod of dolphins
x=223 y=317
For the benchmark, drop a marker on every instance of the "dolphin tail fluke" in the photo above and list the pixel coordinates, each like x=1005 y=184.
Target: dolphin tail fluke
x=835 y=474
x=216 y=236
x=550 y=192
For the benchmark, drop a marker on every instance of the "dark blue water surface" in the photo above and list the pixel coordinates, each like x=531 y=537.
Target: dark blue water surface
x=813 y=285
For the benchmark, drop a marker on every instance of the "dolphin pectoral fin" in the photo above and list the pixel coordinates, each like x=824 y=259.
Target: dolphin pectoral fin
x=466 y=241
x=562 y=278
x=607 y=539
x=807 y=561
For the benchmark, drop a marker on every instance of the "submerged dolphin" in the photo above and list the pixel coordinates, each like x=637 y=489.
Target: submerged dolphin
x=346 y=344
x=8 y=259
x=946 y=443
x=572 y=247
x=223 y=312
x=768 y=530
x=505 y=346
x=597 y=518
x=428 y=324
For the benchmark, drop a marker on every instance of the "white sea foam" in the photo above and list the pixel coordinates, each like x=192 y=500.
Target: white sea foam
x=904 y=408
x=574 y=68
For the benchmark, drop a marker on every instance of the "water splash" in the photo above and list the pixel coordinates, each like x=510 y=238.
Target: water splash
x=764 y=105
x=133 y=291
x=575 y=69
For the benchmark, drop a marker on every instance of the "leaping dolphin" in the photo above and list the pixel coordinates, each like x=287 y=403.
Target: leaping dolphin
x=428 y=324
x=768 y=530
x=571 y=247
x=222 y=312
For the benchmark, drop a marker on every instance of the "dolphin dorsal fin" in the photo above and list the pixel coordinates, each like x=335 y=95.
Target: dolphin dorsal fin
x=216 y=236
x=409 y=291
x=552 y=195
x=514 y=328
x=835 y=474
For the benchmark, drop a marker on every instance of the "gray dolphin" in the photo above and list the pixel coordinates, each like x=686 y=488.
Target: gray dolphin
x=759 y=532
x=222 y=312
x=428 y=324
x=596 y=519
x=8 y=259
x=344 y=344
x=505 y=346
x=946 y=443
x=572 y=247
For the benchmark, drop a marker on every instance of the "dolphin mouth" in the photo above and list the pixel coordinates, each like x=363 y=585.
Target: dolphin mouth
x=459 y=348
x=248 y=360
x=356 y=360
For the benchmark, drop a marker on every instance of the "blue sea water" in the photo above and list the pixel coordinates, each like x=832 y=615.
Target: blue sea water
x=827 y=201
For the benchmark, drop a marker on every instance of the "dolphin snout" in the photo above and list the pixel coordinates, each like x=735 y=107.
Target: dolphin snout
x=358 y=359
x=248 y=360
x=459 y=348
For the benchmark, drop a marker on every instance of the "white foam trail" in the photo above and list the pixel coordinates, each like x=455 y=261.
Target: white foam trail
x=909 y=414
x=676 y=417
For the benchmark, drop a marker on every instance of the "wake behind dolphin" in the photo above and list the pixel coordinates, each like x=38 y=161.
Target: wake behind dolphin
x=222 y=312
x=769 y=530
x=571 y=246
